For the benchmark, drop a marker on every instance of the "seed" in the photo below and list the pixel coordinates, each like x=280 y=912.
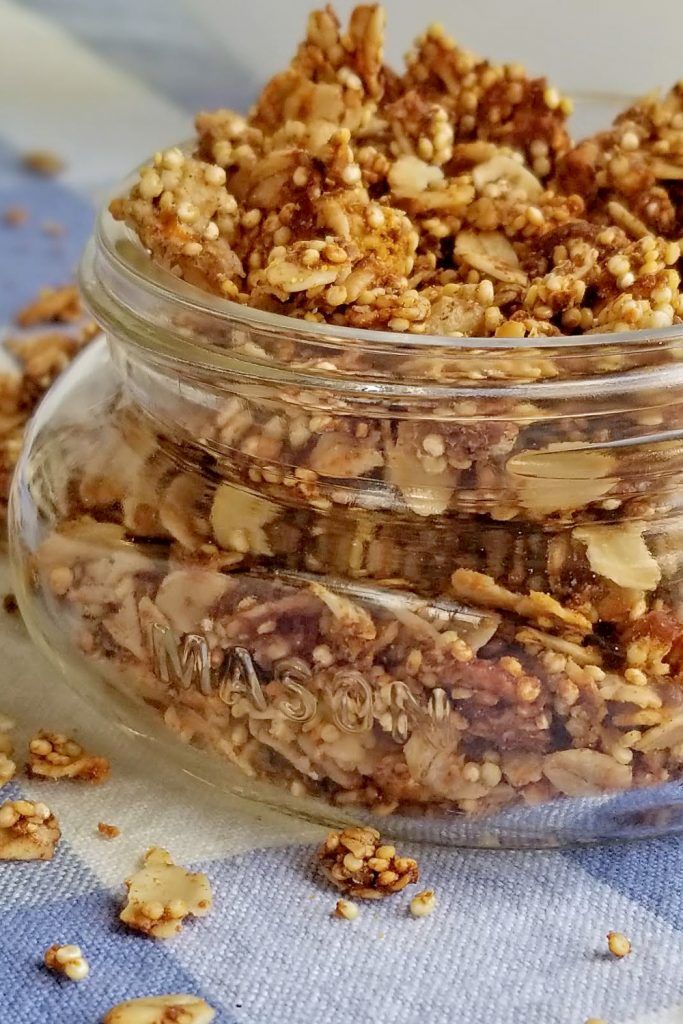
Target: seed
x=618 y=944
x=423 y=903
x=347 y=910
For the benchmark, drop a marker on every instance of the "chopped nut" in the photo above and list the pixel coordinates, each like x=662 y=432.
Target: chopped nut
x=423 y=903
x=618 y=945
x=54 y=756
x=108 y=831
x=177 y=1009
x=67 y=960
x=28 y=831
x=161 y=895
x=346 y=909
x=345 y=860
x=42 y=161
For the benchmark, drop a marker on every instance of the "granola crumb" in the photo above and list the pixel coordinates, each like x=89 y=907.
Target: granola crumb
x=51 y=305
x=43 y=161
x=55 y=756
x=347 y=910
x=596 y=1020
x=357 y=862
x=67 y=960
x=423 y=903
x=182 y=1009
x=108 y=831
x=9 y=603
x=28 y=831
x=162 y=894
x=618 y=945
x=53 y=228
x=15 y=216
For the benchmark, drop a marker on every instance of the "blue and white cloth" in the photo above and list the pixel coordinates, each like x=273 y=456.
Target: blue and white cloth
x=515 y=939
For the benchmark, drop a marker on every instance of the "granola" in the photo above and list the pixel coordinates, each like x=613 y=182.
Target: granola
x=55 y=756
x=363 y=867
x=174 y=1009
x=161 y=895
x=28 y=831
x=406 y=576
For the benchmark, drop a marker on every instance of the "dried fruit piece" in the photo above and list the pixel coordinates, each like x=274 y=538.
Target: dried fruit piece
x=67 y=960
x=28 y=831
x=55 y=756
x=162 y=894
x=179 y=1009
x=584 y=772
x=357 y=862
x=620 y=554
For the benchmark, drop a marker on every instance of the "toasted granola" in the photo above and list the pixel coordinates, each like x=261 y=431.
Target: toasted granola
x=28 y=831
x=358 y=196
x=174 y=1009
x=361 y=866
x=161 y=895
x=55 y=756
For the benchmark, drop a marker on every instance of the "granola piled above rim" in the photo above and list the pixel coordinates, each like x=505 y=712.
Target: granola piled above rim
x=446 y=199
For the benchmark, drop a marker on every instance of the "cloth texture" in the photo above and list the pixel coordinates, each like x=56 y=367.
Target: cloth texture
x=517 y=938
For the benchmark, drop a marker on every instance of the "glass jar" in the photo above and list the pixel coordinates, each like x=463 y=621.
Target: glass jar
x=361 y=575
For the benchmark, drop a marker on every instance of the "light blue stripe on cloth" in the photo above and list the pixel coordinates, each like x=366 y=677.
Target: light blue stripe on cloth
x=160 y=43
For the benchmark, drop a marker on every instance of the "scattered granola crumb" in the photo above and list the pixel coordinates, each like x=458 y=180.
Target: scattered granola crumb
x=53 y=228
x=67 y=960
x=9 y=603
x=423 y=903
x=355 y=861
x=7 y=766
x=54 y=756
x=28 y=831
x=162 y=894
x=43 y=161
x=176 y=1009
x=108 y=831
x=618 y=944
x=347 y=910
x=15 y=216
x=596 y=1020
x=52 y=305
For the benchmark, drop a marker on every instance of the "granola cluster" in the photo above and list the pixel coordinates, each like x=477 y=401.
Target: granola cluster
x=447 y=199
x=362 y=867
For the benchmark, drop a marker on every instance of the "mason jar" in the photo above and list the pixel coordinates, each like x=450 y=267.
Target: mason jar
x=361 y=576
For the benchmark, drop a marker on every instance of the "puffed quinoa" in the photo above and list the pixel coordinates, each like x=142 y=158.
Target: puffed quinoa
x=67 y=960
x=54 y=756
x=28 y=831
x=162 y=894
x=355 y=861
x=618 y=945
x=423 y=903
x=346 y=909
x=174 y=1009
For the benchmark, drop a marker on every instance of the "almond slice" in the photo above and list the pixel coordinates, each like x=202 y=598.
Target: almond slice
x=585 y=772
x=179 y=1009
x=161 y=894
x=506 y=170
x=620 y=554
x=491 y=253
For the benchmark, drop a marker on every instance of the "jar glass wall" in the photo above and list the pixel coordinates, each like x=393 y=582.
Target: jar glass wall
x=360 y=576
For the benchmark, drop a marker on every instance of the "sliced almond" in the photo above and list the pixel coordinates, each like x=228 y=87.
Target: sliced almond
x=662 y=737
x=179 y=1009
x=349 y=614
x=482 y=591
x=409 y=176
x=584 y=772
x=238 y=519
x=162 y=894
x=561 y=477
x=620 y=554
x=492 y=253
x=504 y=169
x=667 y=171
